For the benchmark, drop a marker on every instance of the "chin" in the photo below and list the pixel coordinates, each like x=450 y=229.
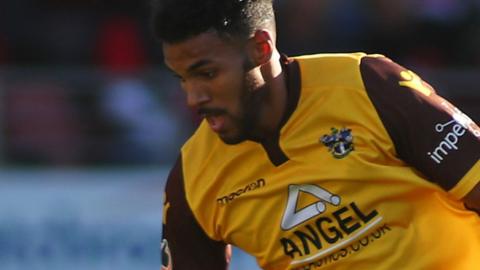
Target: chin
x=237 y=134
x=232 y=140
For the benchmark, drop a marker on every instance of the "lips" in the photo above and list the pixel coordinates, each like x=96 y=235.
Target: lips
x=216 y=122
x=215 y=117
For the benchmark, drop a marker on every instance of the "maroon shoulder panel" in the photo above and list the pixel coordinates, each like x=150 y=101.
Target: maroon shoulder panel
x=429 y=133
x=185 y=245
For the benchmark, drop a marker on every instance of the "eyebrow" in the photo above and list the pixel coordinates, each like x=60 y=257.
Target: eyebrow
x=192 y=67
x=198 y=64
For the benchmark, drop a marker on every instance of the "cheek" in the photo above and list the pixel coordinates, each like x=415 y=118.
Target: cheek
x=252 y=81
x=231 y=87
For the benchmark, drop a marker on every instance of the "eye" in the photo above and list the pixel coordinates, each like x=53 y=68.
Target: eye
x=180 y=78
x=208 y=74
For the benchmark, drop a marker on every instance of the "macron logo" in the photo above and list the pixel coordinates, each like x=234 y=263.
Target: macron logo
x=449 y=142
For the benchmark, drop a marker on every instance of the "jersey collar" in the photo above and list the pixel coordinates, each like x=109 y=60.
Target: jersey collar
x=292 y=75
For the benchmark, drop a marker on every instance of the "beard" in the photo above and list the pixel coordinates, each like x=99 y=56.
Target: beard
x=246 y=121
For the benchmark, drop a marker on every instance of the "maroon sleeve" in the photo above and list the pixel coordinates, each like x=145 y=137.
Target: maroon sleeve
x=185 y=246
x=429 y=133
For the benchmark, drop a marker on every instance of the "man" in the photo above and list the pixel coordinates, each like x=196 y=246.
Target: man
x=329 y=161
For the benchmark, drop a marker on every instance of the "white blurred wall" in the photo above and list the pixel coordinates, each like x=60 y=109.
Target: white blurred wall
x=75 y=219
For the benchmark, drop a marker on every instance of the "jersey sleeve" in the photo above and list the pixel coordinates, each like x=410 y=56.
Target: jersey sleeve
x=429 y=133
x=185 y=245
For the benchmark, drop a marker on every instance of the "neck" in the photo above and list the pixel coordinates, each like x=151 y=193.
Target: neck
x=275 y=101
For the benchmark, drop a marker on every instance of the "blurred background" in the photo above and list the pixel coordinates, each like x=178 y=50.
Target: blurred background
x=90 y=120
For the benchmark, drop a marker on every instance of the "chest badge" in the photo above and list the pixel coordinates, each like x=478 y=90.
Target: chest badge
x=339 y=142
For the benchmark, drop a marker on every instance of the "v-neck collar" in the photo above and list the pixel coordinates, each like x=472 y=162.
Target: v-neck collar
x=291 y=70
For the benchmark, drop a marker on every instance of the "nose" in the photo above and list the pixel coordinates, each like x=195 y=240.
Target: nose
x=196 y=95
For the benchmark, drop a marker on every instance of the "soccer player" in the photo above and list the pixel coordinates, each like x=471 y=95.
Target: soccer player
x=328 y=161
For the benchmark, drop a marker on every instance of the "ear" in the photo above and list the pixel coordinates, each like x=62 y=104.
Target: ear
x=261 y=47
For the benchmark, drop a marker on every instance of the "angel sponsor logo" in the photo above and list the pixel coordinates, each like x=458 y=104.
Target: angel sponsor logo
x=314 y=232
x=354 y=247
x=449 y=142
x=327 y=234
x=232 y=196
x=293 y=216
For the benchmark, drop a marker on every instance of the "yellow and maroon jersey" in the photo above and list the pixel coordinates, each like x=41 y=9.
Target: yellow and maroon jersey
x=367 y=171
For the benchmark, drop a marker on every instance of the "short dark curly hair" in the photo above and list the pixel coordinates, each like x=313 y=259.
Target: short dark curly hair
x=177 y=20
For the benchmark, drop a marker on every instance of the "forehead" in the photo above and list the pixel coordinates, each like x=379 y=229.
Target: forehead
x=207 y=46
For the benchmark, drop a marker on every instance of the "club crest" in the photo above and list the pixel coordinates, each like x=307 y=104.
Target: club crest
x=339 y=142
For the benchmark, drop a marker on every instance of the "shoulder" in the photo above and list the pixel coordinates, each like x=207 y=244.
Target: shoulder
x=332 y=70
x=429 y=133
x=380 y=69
